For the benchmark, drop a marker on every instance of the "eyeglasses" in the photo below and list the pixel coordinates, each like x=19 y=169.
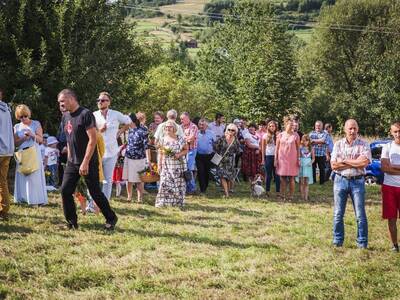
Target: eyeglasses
x=102 y=100
x=231 y=130
x=23 y=117
x=169 y=127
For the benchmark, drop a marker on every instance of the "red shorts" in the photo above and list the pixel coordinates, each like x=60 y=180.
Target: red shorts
x=390 y=202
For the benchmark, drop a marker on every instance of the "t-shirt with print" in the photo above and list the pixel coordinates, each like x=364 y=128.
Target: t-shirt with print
x=52 y=155
x=391 y=151
x=75 y=126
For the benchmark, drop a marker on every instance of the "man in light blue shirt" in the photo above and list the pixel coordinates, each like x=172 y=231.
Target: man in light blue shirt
x=6 y=152
x=205 y=142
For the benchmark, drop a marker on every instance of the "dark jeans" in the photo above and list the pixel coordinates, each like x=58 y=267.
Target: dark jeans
x=269 y=172
x=203 y=163
x=70 y=180
x=321 y=162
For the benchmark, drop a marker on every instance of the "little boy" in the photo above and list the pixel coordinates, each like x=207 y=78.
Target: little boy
x=51 y=159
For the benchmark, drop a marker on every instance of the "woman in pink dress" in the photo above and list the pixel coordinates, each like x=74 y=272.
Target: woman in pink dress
x=287 y=157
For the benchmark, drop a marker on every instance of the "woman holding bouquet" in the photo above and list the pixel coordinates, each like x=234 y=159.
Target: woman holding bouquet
x=136 y=156
x=171 y=166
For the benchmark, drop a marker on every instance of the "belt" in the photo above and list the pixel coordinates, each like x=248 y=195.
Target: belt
x=350 y=177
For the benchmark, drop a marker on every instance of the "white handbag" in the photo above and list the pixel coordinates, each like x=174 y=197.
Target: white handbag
x=216 y=159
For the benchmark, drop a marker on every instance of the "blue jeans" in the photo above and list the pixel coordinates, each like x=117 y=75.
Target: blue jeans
x=191 y=164
x=355 y=188
x=269 y=172
x=53 y=169
x=108 y=169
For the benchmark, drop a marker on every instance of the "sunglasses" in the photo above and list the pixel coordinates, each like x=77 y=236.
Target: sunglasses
x=23 y=117
x=102 y=100
x=231 y=130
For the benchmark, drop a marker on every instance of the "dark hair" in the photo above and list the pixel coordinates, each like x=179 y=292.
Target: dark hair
x=218 y=115
x=68 y=92
x=196 y=120
x=263 y=123
x=134 y=119
x=252 y=125
x=328 y=125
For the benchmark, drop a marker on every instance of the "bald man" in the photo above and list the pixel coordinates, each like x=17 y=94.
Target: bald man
x=350 y=156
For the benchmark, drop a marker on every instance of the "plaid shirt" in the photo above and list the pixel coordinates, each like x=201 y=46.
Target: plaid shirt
x=343 y=150
x=189 y=132
x=319 y=149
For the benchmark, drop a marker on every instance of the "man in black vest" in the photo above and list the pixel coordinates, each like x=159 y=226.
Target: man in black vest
x=80 y=130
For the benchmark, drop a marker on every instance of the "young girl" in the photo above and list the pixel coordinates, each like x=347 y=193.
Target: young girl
x=307 y=157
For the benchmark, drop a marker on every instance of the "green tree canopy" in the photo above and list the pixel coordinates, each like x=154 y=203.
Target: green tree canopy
x=353 y=71
x=250 y=63
x=83 y=44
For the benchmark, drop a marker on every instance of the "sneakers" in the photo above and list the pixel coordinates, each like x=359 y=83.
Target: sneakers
x=395 y=248
x=110 y=225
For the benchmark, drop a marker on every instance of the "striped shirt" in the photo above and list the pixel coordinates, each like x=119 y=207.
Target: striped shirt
x=343 y=150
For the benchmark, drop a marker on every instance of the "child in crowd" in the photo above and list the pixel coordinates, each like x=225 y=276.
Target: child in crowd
x=117 y=174
x=307 y=157
x=51 y=155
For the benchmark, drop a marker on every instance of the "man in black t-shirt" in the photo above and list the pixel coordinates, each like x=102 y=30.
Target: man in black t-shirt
x=80 y=131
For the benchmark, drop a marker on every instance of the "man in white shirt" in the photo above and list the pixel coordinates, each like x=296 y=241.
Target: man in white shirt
x=171 y=116
x=108 y=122
x=390 y=160
x=218 y=126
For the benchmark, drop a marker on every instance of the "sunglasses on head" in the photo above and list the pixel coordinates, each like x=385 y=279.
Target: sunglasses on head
x=102 y=100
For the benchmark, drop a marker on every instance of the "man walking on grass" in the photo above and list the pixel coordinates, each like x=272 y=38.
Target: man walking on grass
x=350 y=156
x=6 y=152
x=390 y=160
x=80 y=129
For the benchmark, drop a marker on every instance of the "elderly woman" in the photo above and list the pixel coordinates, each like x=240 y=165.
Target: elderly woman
x=287 y=154
x=171 y=165
x=251 y=157
x=136 y=155
x=28 y=133
x=228 y=147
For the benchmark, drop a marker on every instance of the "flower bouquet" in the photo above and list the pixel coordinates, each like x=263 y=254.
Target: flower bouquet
x=168 y=151
x=149 y=174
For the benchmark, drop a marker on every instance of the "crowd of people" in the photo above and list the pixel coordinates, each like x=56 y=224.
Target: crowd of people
x=106 y=147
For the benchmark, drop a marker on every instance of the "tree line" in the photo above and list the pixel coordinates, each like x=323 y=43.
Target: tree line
x=250 y=65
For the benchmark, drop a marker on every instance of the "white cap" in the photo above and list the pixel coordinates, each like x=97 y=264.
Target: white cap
x=52 y=140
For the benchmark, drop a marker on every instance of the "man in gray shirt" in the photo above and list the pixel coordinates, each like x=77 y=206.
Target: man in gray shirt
x=6 y=152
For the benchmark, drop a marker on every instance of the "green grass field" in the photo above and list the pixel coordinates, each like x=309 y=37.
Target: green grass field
x=239 y=248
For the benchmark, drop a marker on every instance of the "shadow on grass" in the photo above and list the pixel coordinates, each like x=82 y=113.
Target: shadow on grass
x=209 y=208
x=139 y=211
x=200 y=239
x=12 y=229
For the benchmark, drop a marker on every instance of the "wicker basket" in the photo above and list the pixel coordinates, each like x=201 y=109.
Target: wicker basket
x=147 y=178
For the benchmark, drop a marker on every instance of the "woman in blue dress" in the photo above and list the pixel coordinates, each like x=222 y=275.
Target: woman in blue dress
x=30 y=189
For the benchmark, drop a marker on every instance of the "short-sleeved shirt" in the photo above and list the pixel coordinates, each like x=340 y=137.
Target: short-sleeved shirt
x=391 y=151
x=205 y=142
x=75 y=126
x=191 y=131
x=319 y=149
x=253 y=138
x=329 y=142
x=218 y=130
x=6 y=131
x=137 y=143
x=113 y=120
x=52 y=155
x=343 y=150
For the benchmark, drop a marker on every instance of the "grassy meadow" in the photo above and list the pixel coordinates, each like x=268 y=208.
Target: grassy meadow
x=214 y=248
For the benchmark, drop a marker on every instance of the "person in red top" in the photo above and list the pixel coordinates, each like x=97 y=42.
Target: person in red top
x=190 y=131
x=390 y=160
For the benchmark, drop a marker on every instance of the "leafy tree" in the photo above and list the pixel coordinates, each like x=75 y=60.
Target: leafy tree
x=48 y=45
x=249 y=62
x=353 y=71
